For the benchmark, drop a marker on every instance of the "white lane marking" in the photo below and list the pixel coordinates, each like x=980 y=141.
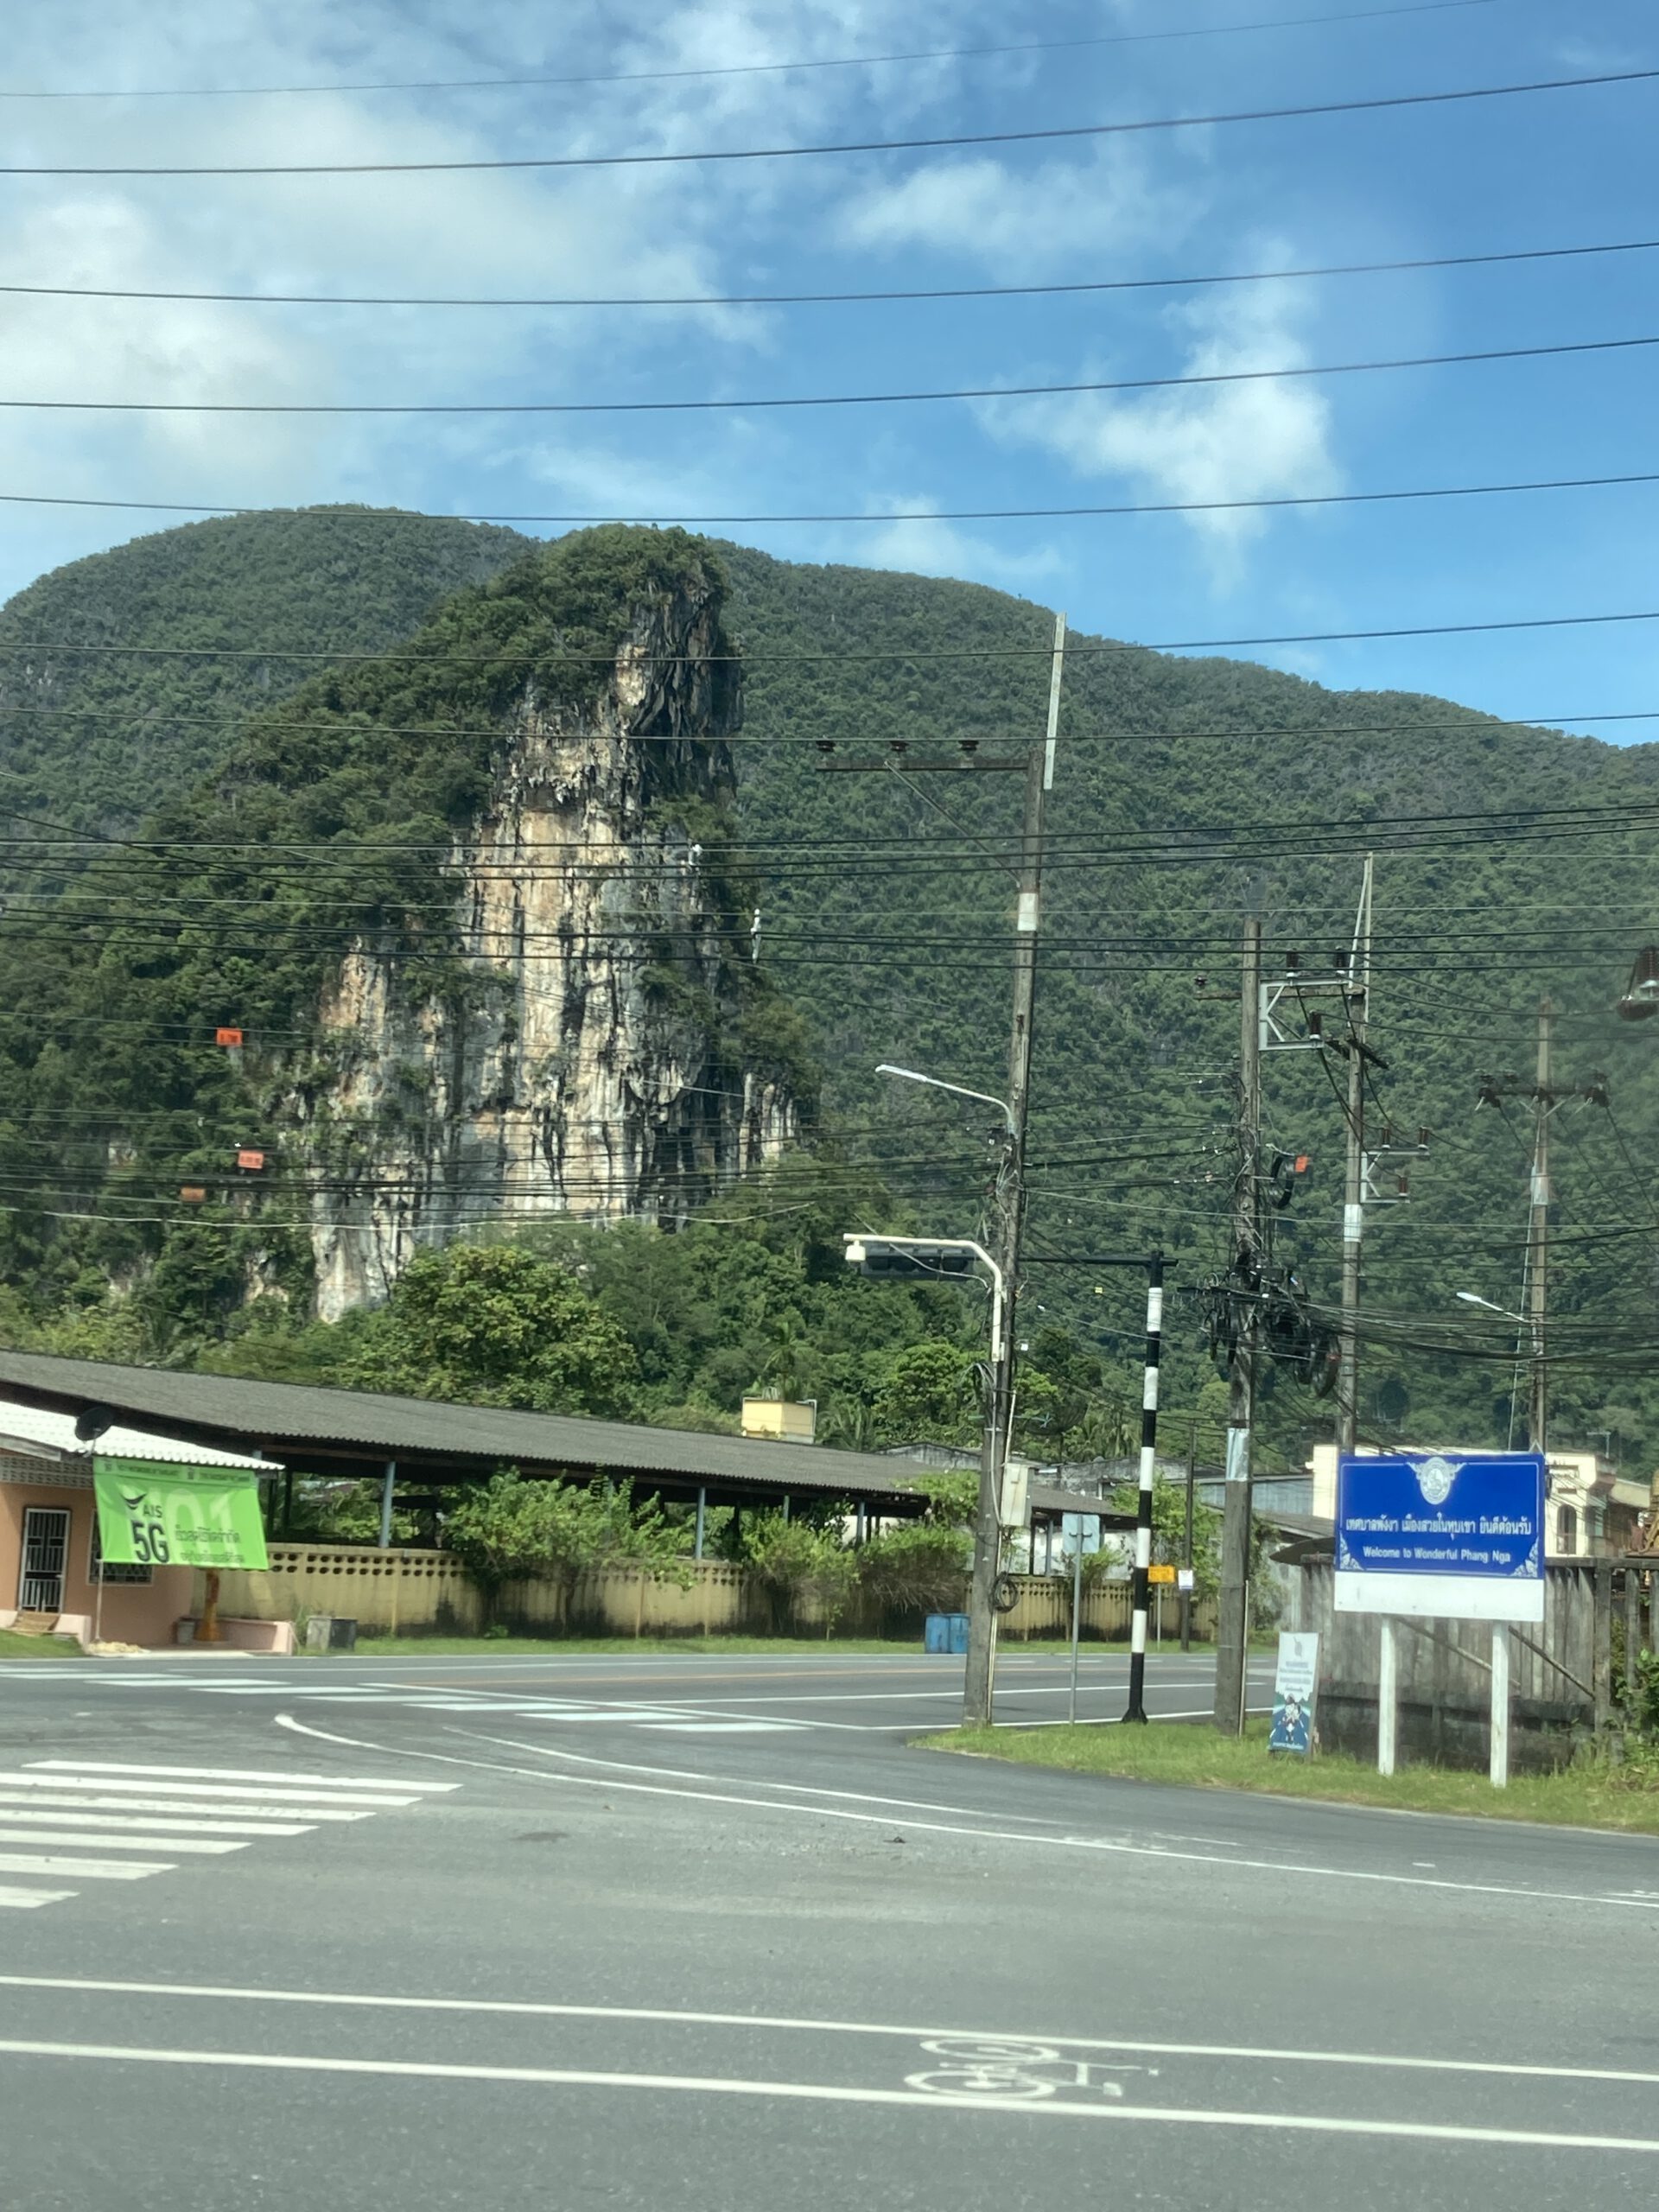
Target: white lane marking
x=234 y=1774
x=720 y=1727
x=1268 y=2054
x=686 y=1774
x=994 y=1836
x=79 y=1840
x=91 y=1869
x=1073 y=1842
x=262 y=1817
x=23 y=1899
x=241 y=1791
x=826 y=2092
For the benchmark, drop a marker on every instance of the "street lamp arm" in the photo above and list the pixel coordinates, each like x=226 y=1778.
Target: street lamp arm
x=1473 y=1298
x=856 y=1240
x=935 y=1082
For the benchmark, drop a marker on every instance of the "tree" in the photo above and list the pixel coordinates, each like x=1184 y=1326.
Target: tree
x=928 y=1395
x=511 y=1528
x=797 y=1565
x=493 y=1324
x=1060 y=1388
x=1169 y=1533
x=921 y=1566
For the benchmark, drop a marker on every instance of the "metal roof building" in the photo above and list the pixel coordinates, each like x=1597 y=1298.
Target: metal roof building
x=305 y=1428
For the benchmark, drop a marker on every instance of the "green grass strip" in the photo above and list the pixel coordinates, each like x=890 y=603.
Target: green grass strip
x=13 y=1646
x=1591 y=1794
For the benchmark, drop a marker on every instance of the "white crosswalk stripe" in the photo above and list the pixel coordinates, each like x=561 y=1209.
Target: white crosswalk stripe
x=63 y=1821
x=262 y=1818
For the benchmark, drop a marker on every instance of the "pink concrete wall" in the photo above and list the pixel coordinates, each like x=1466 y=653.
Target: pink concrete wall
x=133 y=1612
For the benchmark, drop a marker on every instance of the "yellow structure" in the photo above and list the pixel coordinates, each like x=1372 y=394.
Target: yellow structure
x=792 y=1420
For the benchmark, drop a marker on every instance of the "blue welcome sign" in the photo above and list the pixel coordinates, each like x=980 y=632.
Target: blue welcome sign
x=1449 y=1535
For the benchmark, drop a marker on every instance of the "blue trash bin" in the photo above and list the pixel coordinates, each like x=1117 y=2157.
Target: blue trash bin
x=945 y=1634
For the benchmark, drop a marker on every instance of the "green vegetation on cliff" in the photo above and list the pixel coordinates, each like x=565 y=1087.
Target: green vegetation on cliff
x=1187 y=789
x=156 y=699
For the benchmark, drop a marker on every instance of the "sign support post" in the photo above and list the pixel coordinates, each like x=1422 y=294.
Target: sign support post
x=1077 y=1616
x=1500 y=1728
x=1388 y=1694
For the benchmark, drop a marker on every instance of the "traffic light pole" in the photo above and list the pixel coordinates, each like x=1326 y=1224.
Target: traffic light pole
x=1141 y=1593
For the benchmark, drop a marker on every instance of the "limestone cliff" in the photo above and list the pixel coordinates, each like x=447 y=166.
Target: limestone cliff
x=580 y=1045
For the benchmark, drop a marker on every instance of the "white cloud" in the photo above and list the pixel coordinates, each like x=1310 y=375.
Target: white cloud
x=1021 y=221
x=1219 y=441
x=930 y=548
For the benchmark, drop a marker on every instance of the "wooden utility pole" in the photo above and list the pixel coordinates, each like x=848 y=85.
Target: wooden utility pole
x=1232 y=1627
x=1009 y=1206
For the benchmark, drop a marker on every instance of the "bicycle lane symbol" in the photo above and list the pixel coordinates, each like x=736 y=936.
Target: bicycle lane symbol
x=984 y=2067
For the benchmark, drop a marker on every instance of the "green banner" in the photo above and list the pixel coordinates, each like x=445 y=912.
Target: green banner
x=155 y=1515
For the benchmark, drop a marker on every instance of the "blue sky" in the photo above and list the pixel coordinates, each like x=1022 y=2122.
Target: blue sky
x=1563 y=169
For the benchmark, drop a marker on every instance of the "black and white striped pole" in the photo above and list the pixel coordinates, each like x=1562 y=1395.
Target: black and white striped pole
x=1143 y=1586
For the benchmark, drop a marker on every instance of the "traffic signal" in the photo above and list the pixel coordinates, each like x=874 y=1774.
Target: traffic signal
x=908 y=1263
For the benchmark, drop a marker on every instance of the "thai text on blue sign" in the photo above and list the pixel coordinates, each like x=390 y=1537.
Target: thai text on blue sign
x=1449 y=1535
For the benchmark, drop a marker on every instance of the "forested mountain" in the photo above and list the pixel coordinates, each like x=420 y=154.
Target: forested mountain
x=161 y=673
x=1510 y=861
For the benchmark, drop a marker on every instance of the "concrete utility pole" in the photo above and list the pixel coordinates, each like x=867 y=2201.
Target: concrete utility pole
x=1008 y=1205
x=1537 y=1236
x=1186 y=1539
x=1546 y=1095
x=1232 y=1627
x=1358 y=1002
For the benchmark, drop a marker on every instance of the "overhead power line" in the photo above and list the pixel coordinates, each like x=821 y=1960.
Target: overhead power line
x=774 y=402
x=1470 y=722
x=1520 y=254
x=1376 y=104
x=889 y=515
x=753 y=68
x=928 y=653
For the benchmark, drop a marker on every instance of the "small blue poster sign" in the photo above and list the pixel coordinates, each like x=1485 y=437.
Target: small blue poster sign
x=1295 y=1685
x=1449 y=1535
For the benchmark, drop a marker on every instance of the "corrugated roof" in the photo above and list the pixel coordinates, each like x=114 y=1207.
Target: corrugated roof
x=275 y=1415
x=37 y=1426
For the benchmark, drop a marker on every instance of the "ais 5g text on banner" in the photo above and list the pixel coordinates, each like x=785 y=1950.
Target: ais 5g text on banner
x=152 y=1515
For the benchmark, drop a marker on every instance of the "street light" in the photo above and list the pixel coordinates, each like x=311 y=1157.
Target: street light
x=934 y=1082
x=1529 y=1322
x=1474 y=1298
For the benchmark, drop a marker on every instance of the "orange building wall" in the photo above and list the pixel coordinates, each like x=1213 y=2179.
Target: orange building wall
x=144 y=1614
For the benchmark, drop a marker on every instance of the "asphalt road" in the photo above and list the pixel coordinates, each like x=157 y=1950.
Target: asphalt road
x=702 y=1931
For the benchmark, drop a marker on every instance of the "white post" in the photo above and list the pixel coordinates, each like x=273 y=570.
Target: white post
x=1500 y=1763
x=1077 y=1616
x=1388 y=1695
